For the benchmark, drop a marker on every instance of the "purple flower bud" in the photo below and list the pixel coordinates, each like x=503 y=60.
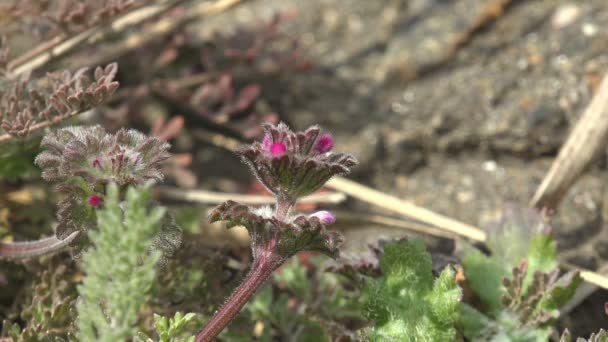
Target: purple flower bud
x=97 y=163
x=278 y=149
x=95 y=201
x=325 y=217
x=325 y=143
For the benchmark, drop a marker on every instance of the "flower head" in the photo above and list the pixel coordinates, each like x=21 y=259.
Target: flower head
x=293 y=165
x=126 y=158
x=82 y=160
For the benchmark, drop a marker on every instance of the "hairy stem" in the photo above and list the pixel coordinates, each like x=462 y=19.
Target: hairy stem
x=283 y=207
x=31 y=249
x=266 y=263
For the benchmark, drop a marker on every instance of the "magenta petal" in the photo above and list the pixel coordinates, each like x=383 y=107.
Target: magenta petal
x=278 y=149
x=325 y=217
x=95 y=201
x=325 y=143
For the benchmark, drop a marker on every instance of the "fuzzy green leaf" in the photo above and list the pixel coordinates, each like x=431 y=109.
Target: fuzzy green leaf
x=405 y=303
x=484 y=275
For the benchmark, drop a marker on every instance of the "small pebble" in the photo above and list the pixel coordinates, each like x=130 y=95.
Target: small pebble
x=589 y=29
x=565 y=15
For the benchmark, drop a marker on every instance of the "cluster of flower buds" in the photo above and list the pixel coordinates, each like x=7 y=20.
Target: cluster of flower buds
x=127 y=157
x=290 y=165
x=82 y=160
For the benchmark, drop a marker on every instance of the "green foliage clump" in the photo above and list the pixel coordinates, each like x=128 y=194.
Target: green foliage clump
x=120 y=269
x=518 y=284
x=406 y=304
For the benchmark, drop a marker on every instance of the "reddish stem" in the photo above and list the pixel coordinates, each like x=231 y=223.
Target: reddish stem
x=266 y=263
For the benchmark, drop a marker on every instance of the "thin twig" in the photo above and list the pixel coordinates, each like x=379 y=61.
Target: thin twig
x=37 y=50
x=586 y=141
x=164 y=27
x=63 y=37
x=394 y=204
x=212 y=197
x=348 y=220
x=91 y=35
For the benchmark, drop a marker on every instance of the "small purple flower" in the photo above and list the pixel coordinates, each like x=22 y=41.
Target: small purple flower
x=325 y=143
x=95 y=201
x=325 y=217
x=278 y=149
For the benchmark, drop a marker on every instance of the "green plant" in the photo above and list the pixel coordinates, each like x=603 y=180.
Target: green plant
x=518 y=284
x=406 y=303
x=121 y=259
x=290 y=165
